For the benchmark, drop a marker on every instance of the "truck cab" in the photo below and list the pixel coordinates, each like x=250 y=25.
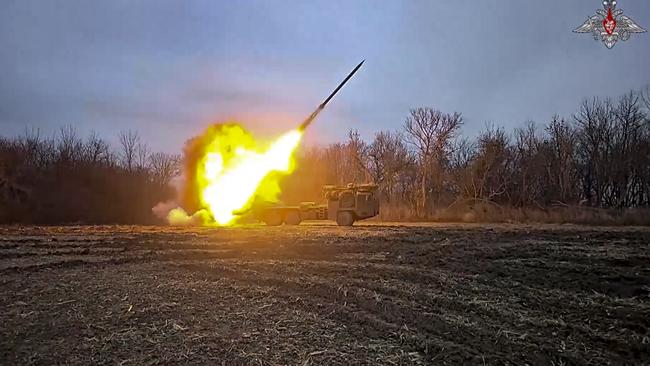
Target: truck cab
x=350 y=203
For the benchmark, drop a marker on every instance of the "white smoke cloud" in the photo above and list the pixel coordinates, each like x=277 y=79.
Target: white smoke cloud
x=162 y=209
x=178 y=217
x=174 y=215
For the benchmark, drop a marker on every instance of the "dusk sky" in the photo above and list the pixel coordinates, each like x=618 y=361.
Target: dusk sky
x=169 y=68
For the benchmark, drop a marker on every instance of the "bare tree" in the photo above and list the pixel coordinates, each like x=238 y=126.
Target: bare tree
x=69 y=146
x=129 y=142
x=645 y=96
x=356 y=151
x=560 y=162
x=142 y=155
x=164 y=167
x=388 y=158
x=527 y=177
x=595 y=119
x=96 y=150
x=627 y=150
x=334 y=161
x=430 y=133
x=462 y=157
x=491 y=169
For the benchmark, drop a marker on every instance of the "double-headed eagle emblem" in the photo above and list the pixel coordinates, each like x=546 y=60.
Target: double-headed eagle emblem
x=609 y=25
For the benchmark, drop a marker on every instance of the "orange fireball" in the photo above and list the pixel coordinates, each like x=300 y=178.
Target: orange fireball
x=232 y=168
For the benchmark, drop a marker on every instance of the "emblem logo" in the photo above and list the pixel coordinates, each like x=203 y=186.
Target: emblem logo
x=609 y=25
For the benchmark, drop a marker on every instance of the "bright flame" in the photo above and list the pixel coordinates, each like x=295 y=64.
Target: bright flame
x=234 y=169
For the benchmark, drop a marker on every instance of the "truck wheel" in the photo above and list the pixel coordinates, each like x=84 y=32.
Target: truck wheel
x=273 y=219
x=292 y=218
x=344 y=218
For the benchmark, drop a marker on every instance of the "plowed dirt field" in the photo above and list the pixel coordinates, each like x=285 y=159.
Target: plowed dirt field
x=320 y=294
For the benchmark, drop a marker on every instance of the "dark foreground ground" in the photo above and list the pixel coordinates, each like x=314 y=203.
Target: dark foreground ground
x=320 y=294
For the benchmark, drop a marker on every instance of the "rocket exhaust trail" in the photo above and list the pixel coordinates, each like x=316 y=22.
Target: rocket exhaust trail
x=315 y=113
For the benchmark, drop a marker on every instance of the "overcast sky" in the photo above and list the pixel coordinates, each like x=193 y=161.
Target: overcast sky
x=169 y=68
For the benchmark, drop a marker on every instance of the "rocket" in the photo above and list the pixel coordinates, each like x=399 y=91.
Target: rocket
x=315 y=113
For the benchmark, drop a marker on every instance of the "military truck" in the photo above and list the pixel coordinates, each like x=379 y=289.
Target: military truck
x=345 y=205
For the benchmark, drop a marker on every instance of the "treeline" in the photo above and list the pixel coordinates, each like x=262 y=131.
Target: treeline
x=70 y=179
x=593 y=167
